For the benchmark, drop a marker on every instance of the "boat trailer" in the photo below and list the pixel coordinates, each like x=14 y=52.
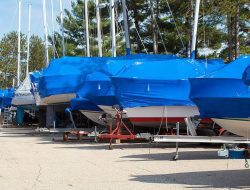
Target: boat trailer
x=192 y=138
x=117 y=133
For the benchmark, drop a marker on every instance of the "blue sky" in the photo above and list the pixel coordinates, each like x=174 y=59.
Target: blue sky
x=9 y=15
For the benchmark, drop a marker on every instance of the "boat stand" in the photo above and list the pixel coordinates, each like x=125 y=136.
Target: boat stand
x=117 y=134
x=176 y=157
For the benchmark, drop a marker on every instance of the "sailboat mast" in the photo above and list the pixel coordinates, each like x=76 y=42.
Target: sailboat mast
x=195 y=27
x=112 y=11
x=19 y=44
x=53 y=28
x=28 y=43
x=45 y=32
x=98 y=22
x=125 y=21
x=87 y=26
x=62 y=27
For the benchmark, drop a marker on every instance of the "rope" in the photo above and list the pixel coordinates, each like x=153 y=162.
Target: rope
x=162 y=117
x=178 y=32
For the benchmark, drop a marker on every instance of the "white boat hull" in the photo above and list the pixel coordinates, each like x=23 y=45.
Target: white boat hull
x=239 y=127
x=94 y=116
x=23 y=100
x=154 y=116
x=57 y=99
x=108 y=109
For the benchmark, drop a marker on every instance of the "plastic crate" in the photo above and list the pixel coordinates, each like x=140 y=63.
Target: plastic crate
x=236 y=153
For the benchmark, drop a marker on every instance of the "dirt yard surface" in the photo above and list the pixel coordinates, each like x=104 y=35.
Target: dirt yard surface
x=33 y=161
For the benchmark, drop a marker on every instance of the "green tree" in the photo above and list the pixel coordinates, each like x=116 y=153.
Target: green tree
x=235 y=24
x=37 y=53
x=8 y=55
x=160 y=26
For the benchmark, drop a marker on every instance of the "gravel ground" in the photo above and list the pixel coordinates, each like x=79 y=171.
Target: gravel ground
x=32 y=161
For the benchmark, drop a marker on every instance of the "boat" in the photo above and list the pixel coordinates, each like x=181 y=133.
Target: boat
x=238 y=126
x=224 y=97
x=98 y=87
x=23 y=95
x=156 y=93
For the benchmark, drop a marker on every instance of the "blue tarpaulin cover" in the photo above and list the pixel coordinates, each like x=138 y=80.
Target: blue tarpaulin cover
x=98 y=86
x=160 y=82
x=223 y=94
x=66 y=74
x=246 y=76
x=35 y=79
x=6 y=97
x=35 y=76
x=83 y=104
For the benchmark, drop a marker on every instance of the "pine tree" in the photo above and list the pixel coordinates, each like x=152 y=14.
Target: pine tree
x=160 y=26
x=8 y=54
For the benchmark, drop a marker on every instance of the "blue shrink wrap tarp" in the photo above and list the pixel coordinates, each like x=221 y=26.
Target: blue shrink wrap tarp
x=160 y=82
x=83 y=104
x=223 y=94
x=98 y=86
x=35 y=76
x=66 y=74
x=246 y=76
x=6 y=97
x=35 y=79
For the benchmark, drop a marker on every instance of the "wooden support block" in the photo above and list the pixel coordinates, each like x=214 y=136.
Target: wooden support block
x=117 y=141
x=65 y=136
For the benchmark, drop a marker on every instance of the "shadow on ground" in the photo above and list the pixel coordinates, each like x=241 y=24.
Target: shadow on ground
x=237 y=179
x=47 y=138
x=183 y=155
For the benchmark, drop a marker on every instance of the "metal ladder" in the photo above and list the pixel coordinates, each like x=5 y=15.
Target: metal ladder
x=6 y=117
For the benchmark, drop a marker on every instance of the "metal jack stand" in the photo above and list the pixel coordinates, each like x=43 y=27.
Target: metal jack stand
x=176 y=157
x=96 y=140
x=54 y=126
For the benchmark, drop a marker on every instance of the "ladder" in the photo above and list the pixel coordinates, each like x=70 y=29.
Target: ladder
x=6 y=117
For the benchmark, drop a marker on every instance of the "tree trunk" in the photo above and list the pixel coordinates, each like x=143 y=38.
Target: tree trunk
x=229 y=37
x=237 y=31
x=190 y=30
x=154 y=28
